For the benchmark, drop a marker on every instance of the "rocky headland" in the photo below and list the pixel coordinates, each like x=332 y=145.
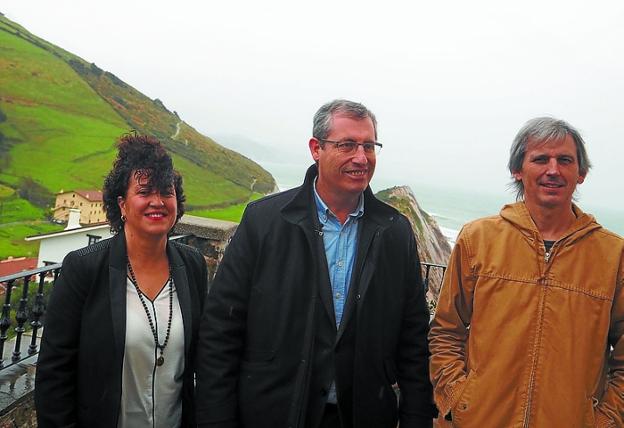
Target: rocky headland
x=433 y=247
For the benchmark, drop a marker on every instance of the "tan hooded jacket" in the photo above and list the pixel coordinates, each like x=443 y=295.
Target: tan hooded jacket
x=522 y=338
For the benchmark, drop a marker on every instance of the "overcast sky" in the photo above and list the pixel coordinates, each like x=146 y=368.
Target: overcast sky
x=450 y=82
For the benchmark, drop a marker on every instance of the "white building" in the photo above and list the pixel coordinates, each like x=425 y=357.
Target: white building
x=54 y=246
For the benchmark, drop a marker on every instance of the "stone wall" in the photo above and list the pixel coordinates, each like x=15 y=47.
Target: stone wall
x=21 y=414
x=209 y=236
x=17 y=390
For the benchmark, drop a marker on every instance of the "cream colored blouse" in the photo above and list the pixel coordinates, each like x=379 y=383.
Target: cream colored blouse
x=152 y=395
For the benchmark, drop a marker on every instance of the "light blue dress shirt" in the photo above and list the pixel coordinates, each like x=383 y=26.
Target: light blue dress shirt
x=340 y=242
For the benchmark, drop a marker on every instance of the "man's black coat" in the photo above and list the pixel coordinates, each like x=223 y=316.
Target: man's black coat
x=268 y=346
x=79 y=371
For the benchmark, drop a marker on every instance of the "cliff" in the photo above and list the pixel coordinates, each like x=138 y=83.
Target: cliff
x=433 y=247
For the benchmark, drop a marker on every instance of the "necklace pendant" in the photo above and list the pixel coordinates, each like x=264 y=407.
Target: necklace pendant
x=160 y=361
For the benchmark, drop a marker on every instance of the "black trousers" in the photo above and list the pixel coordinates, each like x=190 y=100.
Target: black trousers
x=331 y=418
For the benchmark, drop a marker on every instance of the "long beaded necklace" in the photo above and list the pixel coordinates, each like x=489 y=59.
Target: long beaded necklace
x=161 y=359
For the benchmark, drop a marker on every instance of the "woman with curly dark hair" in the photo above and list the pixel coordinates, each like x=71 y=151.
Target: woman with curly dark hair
x=122 y=321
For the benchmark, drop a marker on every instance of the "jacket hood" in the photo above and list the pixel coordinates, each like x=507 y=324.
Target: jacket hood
x=518 y=215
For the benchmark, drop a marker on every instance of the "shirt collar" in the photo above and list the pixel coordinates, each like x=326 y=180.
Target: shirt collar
x=324 y=212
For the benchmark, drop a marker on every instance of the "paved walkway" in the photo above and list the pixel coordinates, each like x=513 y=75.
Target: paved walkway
x=17 y=380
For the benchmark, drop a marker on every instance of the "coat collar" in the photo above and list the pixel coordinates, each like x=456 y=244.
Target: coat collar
x=518 y=215
x=117 y=291
x=301 y=210
x=118 y=256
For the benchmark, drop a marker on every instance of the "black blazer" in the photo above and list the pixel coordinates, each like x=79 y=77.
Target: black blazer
x=79 y=371
x=268 y=345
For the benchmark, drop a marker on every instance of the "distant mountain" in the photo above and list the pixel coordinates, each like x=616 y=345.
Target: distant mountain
x=61 y=115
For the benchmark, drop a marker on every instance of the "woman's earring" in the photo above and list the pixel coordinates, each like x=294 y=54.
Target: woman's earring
x=123 y=218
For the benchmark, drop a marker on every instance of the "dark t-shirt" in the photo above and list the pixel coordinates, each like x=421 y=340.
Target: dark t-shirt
x=548 y=245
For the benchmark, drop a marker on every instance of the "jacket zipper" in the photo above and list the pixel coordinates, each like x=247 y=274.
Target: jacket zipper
x=527 y=411
x=526 y=414
x=548 y=254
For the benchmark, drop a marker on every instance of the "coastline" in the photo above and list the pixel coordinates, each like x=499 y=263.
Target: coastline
x=449 y=234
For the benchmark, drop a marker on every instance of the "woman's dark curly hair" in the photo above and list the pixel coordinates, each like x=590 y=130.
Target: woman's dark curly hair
x=142 y=155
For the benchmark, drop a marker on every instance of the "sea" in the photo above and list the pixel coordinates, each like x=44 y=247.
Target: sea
x=451 y=207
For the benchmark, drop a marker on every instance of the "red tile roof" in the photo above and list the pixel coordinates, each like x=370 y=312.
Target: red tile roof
x=18 y=264
x=92 y=195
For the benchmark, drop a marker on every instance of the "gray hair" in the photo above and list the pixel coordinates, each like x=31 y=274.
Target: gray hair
x=323 y=118
x=541 y=130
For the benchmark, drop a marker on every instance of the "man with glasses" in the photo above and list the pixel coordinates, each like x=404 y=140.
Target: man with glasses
x=317 y=310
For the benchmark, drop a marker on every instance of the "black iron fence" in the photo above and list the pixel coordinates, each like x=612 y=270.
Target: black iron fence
x=25 y=298
x=23 y=309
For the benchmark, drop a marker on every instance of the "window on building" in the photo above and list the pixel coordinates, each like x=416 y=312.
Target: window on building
x=93 y=239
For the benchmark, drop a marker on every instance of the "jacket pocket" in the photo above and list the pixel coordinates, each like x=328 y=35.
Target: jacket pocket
x=460 y=412
x=390 y=370
x=590 y=411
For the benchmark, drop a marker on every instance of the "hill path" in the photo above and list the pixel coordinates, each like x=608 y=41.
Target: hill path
x=174 y=136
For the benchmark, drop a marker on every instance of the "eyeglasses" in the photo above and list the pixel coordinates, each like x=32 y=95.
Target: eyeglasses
x=350 y=147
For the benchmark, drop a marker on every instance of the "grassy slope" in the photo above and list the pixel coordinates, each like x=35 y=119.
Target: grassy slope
x=59 y=119
x=52 y=120
x=12 y=237
x=226 y=177
x=231 y=213
x=152 y=117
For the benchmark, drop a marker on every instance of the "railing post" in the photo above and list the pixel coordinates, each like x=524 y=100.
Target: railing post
x=5 y=320
x=21 y=316
x=426 y=281
x=37 y=311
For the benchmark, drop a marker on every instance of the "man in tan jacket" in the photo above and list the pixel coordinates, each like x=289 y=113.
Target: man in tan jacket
x=528 y=328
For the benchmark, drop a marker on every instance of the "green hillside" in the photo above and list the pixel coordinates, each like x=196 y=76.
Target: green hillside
x=59 y=119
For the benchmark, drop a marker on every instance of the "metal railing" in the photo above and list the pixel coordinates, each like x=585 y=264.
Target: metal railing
x=427 y=270
x=29 y=311
x=24 y=310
